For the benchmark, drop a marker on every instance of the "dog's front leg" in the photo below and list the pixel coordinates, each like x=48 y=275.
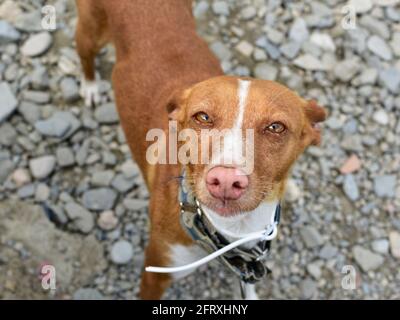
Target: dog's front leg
x=153 y=285
x=250 y=292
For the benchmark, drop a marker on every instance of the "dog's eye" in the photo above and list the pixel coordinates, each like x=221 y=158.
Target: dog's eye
x=202 y=118
x=276 y=127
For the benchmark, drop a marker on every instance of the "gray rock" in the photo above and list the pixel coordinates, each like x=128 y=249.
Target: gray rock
x=8 y=33
x=87 y=294
x=29 y=22
x=220 y=8
x=8 y=135
x=314 y=269
x=390 y=78
x=55 y=126
x=81 y=217
x=272 y=50
x=6 y=167
x=259 y=54
x=249 y=12
x=361 y=6
x=57 y=213
x=368 y=76
x=122 y=184
x=121 y=252
x=39 y=97
x=135 y=204
x=69 y=89
x=8 y=102
x=106 y=114
x=245 y=48
x=42 y=192
x=42 y=167
x=26 y=191
x=74 y=123
x=395 y=43
x=291 y=49
x=350 y=187
x=366 y=259
x=393 y=14
x=308 y=288
x=380 y=246
x=265 y=71
x=347 y=69
x=328 y=252
x=308 y=62
x=299 y=31
x=311 y=236
x=102 y=178
x=130 y=169
x=65 y=157
x=275 y=36
x=40 y=78
x=200 y=9
x=379 y=47
x=29 y=111
x=385 y=186
x=221 y=51
x=37 y=44
x=100 y=199
x=375 y=26
x=323 y=40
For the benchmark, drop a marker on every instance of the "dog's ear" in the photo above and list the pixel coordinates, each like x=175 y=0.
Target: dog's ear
x=177 y=103
x=314 y=115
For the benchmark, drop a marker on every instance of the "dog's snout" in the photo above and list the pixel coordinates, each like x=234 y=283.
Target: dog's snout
x=226 y=183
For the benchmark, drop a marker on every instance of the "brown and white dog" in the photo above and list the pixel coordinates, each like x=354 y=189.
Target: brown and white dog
x=165 y=71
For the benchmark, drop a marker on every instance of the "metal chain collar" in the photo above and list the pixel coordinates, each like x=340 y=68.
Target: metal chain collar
x=247 y=264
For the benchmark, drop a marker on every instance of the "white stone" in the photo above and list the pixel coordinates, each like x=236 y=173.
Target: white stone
x=107 y=220
x=380 y=246
x=385 y=3
x=309 y=62
x=361 y=6
x=293 y=192
x=323 y=40
x=245 y=48
x=366 y=259
x=394 y=238
x=37 y=44
x=21 y=177
x=381 y=117
x=42 y=167
x=121 y=252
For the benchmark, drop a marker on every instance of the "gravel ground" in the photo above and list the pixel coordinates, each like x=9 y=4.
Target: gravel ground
x=71 y=196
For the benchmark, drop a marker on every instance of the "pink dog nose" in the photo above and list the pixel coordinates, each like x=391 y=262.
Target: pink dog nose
x=226 y=183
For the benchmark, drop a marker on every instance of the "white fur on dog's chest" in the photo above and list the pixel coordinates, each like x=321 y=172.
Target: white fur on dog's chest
x=244 y=223
x=182 y=255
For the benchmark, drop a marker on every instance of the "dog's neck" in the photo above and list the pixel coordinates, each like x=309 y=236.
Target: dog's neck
x=242 y=223
x=235 y=227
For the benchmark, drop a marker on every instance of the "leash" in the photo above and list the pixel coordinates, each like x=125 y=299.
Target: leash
x=260 y=235
x=245 y=263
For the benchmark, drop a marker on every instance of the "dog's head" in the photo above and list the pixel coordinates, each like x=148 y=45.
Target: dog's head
x=244 y=168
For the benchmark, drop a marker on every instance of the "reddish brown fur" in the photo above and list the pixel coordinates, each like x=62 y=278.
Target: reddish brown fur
x=159 y=55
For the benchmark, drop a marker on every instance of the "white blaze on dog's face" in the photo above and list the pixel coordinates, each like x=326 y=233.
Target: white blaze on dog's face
x=282 y=126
